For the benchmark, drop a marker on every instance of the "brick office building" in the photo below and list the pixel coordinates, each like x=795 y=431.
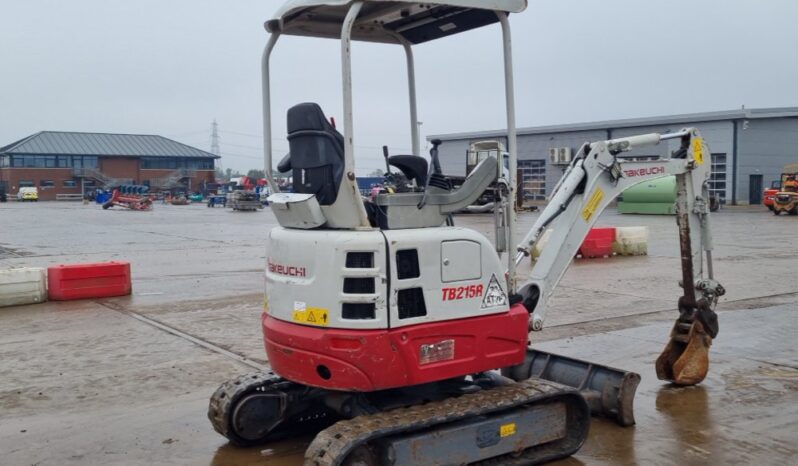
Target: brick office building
x=76 y=163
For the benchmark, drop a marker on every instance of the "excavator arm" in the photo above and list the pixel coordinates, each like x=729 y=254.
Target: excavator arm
x=597 y=175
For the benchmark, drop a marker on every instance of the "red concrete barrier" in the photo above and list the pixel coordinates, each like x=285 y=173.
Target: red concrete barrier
x=598 y=242
x=82 y=281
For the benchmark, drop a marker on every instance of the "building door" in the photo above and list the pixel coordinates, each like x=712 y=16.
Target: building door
x=717 y=180
x=533 y=179
x=755 y=189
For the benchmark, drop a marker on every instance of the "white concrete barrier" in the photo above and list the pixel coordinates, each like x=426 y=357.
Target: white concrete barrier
x=23 y=286
x=631 y=241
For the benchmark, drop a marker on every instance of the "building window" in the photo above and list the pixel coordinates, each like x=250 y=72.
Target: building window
x=70 y=183
x=200 y=164
x=172 y=163
x=533 y=179
x=26 y=183
x=5 y=161
x=64 y=161
x=47 y=183
x=717 y=179
x=159 y=163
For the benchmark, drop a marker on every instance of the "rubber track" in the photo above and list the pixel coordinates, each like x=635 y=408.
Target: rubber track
x=221 y=403
x=332 y=445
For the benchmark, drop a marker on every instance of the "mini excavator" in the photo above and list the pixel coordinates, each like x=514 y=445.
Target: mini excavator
x=398 y=338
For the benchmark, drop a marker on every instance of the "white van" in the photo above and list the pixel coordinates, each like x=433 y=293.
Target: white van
x=28 y=194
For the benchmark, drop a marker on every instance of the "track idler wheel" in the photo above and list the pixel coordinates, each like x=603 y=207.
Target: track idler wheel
x=247 y=409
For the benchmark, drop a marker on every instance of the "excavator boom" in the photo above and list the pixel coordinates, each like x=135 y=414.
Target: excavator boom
x=597 y=175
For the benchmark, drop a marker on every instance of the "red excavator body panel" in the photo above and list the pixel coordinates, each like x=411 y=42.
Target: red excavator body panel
x=371 y=360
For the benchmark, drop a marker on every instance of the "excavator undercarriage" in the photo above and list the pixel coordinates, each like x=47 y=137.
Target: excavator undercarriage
x=532 y=413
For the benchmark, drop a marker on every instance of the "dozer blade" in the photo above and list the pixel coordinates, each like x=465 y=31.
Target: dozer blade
x=609 y=392
x=685 y=359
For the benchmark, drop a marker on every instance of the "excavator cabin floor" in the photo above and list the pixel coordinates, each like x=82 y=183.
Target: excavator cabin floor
x=125 y=381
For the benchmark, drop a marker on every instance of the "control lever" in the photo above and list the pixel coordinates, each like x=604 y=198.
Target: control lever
x=387 y=165
x=433 y=153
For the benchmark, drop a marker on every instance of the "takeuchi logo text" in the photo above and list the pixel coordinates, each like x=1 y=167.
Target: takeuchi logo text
x=288 y=270
x=644 y=171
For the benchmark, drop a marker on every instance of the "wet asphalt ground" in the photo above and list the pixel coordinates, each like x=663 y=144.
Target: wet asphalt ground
x=126 y=380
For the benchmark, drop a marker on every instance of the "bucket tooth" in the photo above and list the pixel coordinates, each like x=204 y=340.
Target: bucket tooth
x=685 y=359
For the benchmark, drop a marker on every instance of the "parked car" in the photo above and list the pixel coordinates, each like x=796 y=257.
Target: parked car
x=28 y=194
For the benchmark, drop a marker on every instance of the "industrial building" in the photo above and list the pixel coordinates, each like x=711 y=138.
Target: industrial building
x=749 y=148
x=68 y=164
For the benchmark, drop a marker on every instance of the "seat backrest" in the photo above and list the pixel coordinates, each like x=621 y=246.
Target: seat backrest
x=316 y=153
x=412 y=166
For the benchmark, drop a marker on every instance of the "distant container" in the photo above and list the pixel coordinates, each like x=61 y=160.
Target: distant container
x=631 y=241
x=22 y=286
x=655 y=197
x=598 y=243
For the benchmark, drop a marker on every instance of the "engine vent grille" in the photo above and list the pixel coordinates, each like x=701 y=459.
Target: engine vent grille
x=359 y=285
x=407 y=264
x=359 y=260
x=411 y=303
x=358 y=311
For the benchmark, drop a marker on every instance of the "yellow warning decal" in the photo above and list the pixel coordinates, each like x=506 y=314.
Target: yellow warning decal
x=592 y=204
x=507 y=430
x=313 y=315
x=698 y=150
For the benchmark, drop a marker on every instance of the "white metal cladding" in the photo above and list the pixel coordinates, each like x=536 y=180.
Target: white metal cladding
x=460 y=261
x=308 y=267
x=718 y=134
x=428 y=244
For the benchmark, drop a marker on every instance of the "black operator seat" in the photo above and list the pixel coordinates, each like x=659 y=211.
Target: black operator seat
x=412 y=166
x=316 y=153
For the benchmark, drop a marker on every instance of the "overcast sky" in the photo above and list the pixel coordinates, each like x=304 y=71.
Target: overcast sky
x=171 y=67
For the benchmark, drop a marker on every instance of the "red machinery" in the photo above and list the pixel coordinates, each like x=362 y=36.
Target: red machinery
x=128 y=201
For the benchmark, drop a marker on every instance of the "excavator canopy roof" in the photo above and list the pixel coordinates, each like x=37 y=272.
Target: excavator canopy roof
x=389 y=21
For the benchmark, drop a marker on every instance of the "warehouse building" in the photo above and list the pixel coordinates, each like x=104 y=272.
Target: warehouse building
x=61 y=164
x=749 y=148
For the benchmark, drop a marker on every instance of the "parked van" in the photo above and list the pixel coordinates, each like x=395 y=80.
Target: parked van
x=28 y=194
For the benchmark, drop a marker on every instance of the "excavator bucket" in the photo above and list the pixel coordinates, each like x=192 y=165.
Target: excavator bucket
x=685 y=359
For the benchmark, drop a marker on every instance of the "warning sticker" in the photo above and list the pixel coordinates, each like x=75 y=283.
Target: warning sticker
x=310 y=315
x=592 y=204
x=698 y=150
x=507 y=430
x=494 y=296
